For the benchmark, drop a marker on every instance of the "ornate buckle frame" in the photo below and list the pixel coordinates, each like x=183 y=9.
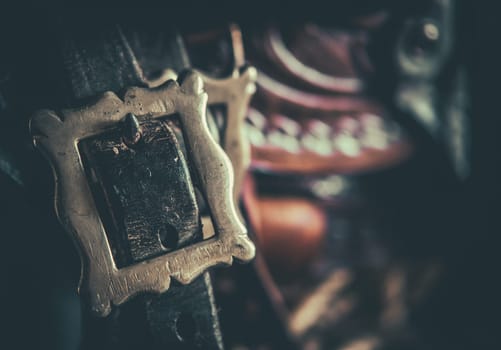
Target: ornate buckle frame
x=58 y=137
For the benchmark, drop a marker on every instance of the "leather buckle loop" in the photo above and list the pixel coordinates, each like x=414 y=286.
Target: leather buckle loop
x=58 y=136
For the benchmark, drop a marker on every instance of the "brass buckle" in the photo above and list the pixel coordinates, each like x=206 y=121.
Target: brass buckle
x=58 y=136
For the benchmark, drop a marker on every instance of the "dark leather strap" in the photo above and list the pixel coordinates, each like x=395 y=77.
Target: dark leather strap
x=100 y=59
x=99 y=63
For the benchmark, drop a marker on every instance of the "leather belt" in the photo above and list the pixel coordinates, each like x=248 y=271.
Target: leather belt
x=106 y=63
x=144 y=195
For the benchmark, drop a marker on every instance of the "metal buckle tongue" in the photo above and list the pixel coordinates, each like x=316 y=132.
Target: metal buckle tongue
x=59 y=136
